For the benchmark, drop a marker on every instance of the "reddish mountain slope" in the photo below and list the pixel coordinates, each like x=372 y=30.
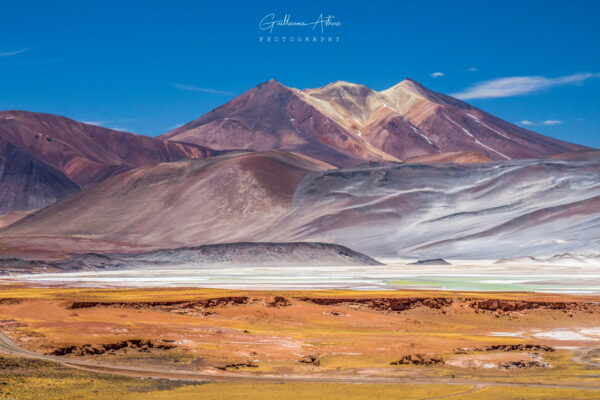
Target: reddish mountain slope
x=273 y=116
x=229 y=198
x=347 y=124
x=87 y=154
x=27 y=183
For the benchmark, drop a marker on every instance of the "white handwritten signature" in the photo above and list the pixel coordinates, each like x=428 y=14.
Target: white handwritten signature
x=269 y=22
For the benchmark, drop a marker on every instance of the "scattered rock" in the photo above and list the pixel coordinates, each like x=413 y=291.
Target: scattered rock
x=200 y=307
x=311 y=360
x=204 y=313
x=419 y=359
x=248 y=364
x=278 y=301
x=10 y=323
x=523 y=364
x=132 y=344
x=506 y=347
x=9 y=301
x=386 y=303
x=335 y=313
x=519 y=347
x=519 y=305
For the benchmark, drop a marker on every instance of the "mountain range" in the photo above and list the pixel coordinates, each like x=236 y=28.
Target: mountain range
x=401 y=172
x=486 y=210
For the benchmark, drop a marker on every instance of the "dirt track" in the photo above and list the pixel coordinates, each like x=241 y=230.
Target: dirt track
x=8 y=347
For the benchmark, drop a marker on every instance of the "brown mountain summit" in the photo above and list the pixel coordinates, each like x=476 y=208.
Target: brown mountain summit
x=273 y=116
x=346 y=124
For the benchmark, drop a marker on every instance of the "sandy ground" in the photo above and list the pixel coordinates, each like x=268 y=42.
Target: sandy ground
x=451 y=335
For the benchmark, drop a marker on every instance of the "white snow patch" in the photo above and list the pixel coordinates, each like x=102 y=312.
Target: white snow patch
x=414 y=128
x=494 y=130
x=359 y=133
x=486 y=125
x=9 y=118
x=473 y=117
x=426 y=138
x=468 y=133
x=478 y=142
x=489 y=148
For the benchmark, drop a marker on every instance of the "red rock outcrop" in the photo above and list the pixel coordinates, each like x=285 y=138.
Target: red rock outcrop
x=419 y=359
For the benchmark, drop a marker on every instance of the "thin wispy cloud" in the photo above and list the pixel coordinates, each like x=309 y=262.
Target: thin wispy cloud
x=473 y=69
x=97 y=123
x=114 y=125
x=546 y=122
x=15 y=52
x=519 y=86
x=193 y=88
x=552 y=122
x=437 y=74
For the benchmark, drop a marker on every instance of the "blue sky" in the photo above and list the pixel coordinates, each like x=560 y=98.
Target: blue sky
x=148 y=66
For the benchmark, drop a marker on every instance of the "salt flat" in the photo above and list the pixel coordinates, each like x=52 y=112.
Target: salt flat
x=462 y=275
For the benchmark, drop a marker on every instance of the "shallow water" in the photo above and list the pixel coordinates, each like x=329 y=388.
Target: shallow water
x=538 y=278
